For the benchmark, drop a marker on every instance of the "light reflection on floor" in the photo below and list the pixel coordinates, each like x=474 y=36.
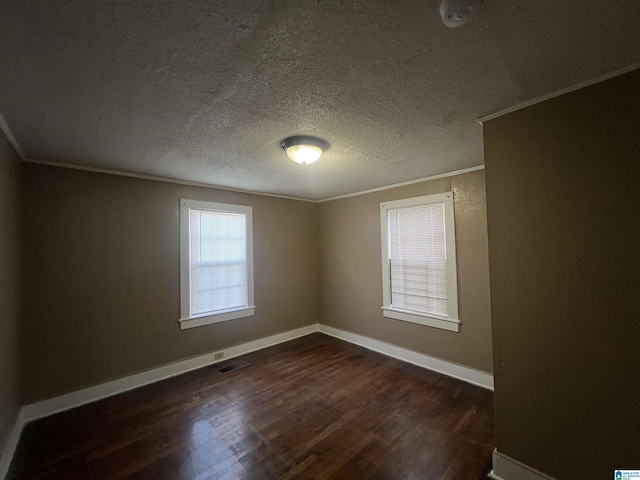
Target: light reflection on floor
x=216 y=445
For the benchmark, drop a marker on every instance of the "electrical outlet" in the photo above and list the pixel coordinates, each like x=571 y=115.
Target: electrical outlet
x=218 y=355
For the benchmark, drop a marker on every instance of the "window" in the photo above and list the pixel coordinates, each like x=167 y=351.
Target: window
x=216 y=263
x=419 y=261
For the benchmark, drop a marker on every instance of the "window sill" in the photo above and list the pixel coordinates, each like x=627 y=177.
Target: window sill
x=208 y=319
x=412 y=317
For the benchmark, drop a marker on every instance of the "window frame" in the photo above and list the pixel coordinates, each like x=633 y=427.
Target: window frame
x=452 y=321
x=186 y=319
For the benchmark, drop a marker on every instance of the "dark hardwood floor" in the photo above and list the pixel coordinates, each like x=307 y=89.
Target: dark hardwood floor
x=313 y=408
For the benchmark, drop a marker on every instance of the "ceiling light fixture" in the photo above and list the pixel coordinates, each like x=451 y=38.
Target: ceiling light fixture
x=304 y=149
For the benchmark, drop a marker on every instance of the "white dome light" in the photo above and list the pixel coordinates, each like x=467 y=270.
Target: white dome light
x=303 y=149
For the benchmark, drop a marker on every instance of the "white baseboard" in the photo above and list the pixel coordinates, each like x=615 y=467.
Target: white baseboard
x=54 y=405
x=61 y=403
x=11 y=444
x=469 y=375
x=507 y=468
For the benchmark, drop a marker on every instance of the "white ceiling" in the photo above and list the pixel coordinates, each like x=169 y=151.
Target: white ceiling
x=204 y=90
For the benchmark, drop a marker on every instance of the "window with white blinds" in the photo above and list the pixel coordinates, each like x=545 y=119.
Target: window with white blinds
x=418 y=261
x=216 y=262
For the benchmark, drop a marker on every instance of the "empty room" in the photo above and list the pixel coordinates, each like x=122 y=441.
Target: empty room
x=266 y=239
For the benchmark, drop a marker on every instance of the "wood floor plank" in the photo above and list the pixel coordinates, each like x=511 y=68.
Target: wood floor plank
x=313 y=408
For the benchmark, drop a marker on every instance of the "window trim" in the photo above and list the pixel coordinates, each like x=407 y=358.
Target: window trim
x=452 y=322
x=186 y=319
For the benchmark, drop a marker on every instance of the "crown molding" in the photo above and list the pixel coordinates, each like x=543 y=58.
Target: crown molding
x=577 y=86
x=14 y=143
x=4 y=126
x=155 y=178
x=403 y=184
x=143 y=176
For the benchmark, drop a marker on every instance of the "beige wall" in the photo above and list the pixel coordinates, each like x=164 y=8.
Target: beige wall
x=10 y=205
x=101 y=276
x=351 y=272
x=563 y=183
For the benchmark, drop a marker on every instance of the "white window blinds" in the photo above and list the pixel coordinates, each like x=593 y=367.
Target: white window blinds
x=418 y=259
x=218 y=261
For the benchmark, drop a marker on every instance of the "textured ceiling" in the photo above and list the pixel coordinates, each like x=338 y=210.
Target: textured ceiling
x=205 y=90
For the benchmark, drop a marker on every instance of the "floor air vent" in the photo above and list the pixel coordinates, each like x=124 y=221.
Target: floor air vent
x=233 y=367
